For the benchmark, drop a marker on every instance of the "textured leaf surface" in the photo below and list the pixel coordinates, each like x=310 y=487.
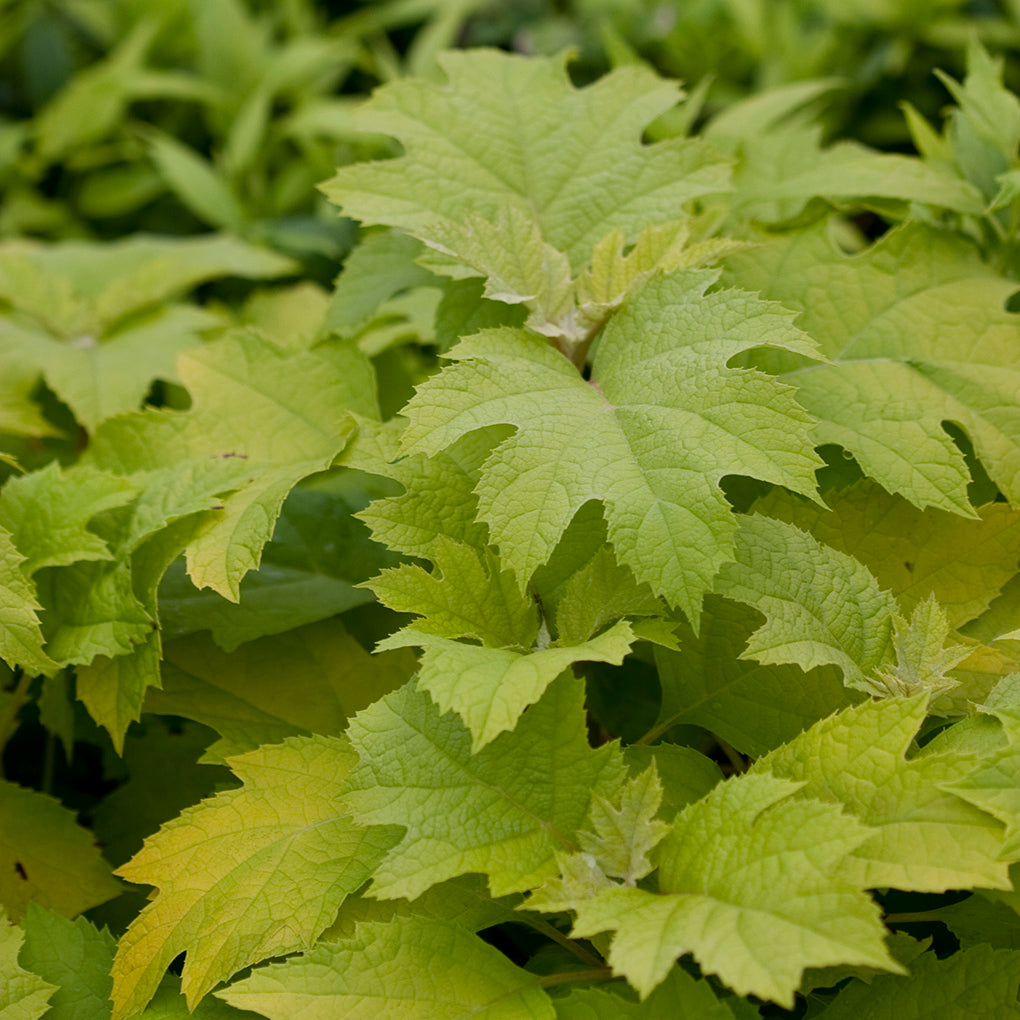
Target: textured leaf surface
x=23 y=994
x=918 y=333
x=412 y=967
x=75 y=957
x=513 y=137
x=47 y=857
x=272 y=861
x=913 y=553
x=979 y=983
x=660 y=422
x=926 y=839
x=752 y=882
x=489 y=688
x=821 y=606
x=502 y=812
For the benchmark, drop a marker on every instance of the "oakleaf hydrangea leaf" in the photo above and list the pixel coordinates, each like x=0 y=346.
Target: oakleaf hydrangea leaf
x=47 y=857
x=239 y=694
x=925 y=838
x=21 y=637
x=923 y=659
x=660 y=422
x=821 y=606
x=411 y=968
x=917 y=331
x=70 y=304
x=466 y=595
x=752 y=881
x=75 y=957
x=438 y=502
x=754 y=706
x=23 y=994
x=48 y=512
x=511 y=137
x=503 y=812
x=272 y=861
x=913 y=553
x=489 y=688
x=978 y=982
x=625 y=835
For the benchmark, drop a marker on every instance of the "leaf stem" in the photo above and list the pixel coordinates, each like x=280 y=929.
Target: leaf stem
x=552 y=933
x=571 y=976
x=911 y=917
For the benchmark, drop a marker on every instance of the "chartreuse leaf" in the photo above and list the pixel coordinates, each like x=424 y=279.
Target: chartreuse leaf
x=468 y=595
x=98 y=320
x=930 y=341
x=47 y=857
x=489 y=688
x=504 y=811
x=271 y=861
x=21 y=638
x=509 y=141
x=23 y=994
x=754 y=706
x=753 y=881
x=48 y=512
x=411 y=968
x=821 y=606
x=978 y=982
x=438 y=503
x=660 y=372
x=679 y=997
x=170 y=1004
x=239 y=694
x=75 y=957
x=924 y=837
x=963 y=562
x=465 y=595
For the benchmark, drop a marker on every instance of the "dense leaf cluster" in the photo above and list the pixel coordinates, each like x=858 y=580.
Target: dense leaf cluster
x=603 y=601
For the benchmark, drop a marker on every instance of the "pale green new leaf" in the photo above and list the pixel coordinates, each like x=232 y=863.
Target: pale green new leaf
x=923 y=659
x=660 y=422
x=271 y=861
x=753 y=881
x=511 y=137
x=753 y=706
x=75 y=957
x=503 y=812
x=918 y=333
x=925 y=838
x=21 y=638
x=411 y=968
x=976 y=983
x=47 y=857
x=913 y=553
x=23 y=994
x=625 y=835
x=821 y=606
